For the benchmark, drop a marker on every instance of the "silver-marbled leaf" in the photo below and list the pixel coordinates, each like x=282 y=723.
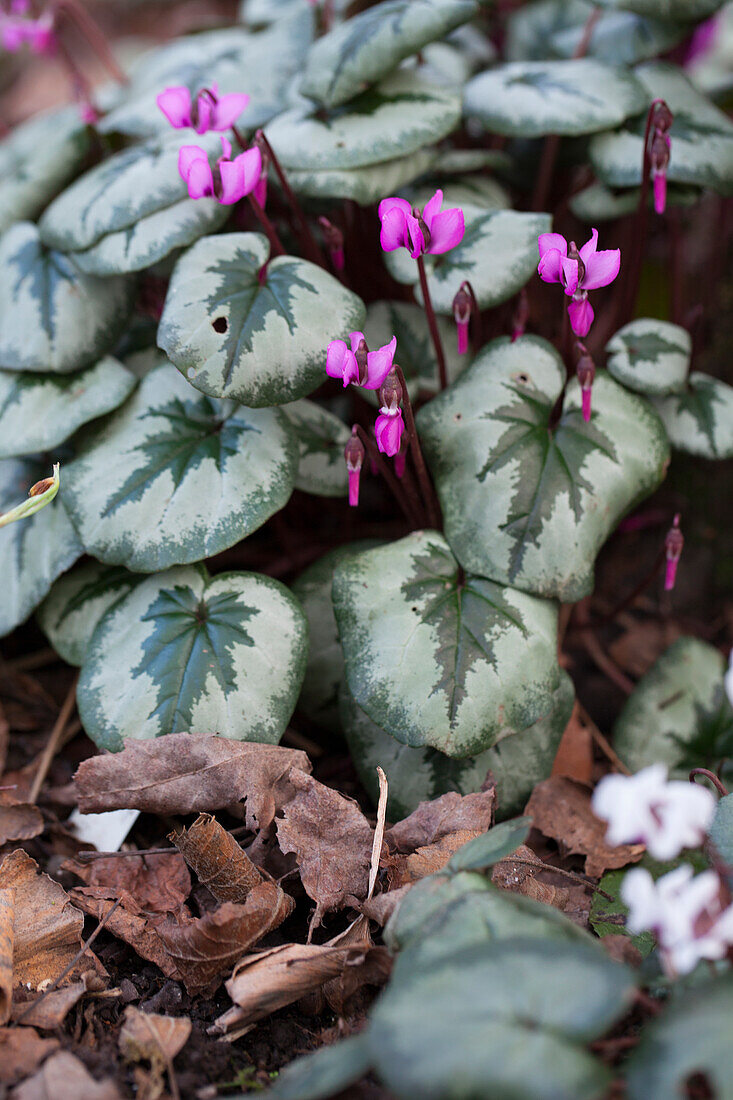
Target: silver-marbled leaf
x=321 y=438
x=534 y=98
x=33 y=551
x=174 y=477
x=372 y=43
x=39 y=411
x=598 y=203
x=619 y=37
x=132 y=209
x=224 y=654
x=77 y=601
x=364 y=185
x=438 y=658
x=701 y=136
x=393 y=119
x=699 y=420
x=685 y=10
x=53 y=318
x=261 y=343
x=522 y=504
x=650 y=356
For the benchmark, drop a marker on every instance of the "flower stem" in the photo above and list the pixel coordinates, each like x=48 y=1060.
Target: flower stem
x=545 y=171
x=276 y=246
x=93 y=35
x=432 y=324
x=407 y=506
x=633 y=278
x=675 y=266
x=426 y=486
x=307 y=240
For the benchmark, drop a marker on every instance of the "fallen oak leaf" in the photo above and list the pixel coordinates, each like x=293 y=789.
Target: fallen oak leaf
x=217 y=859
x=20 y=821
x=21 y=1052
x=150 y=1035
x=158 y=884
x=451 y=813
x=64 y=1077
x=186 y=773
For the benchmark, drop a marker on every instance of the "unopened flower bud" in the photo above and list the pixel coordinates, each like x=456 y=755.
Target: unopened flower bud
x=663 y=117
x=462 y=316
x=673 y=545
x=354 y=454
x=390 y=392
x=659 y=160
x=586 y=373
x=574 y=254
x=334 y=239
x=361 y=354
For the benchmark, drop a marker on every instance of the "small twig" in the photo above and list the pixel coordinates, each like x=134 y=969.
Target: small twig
x=540 y=865
x=54 y=740
x=378 y=832
x=603 y=744
x=432 y=324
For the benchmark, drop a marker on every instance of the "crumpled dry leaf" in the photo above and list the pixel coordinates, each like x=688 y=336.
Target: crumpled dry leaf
x=574 y=756
x=129 y=924
x=7 y=937
x=47 y=927
x=381 y=907
x=20 y=821
x=405 y=870
x=561 y=810
x=50 y=1011
x=217 y=859
x=332 y=842
x=517 y=874
x=365 y=965
x=186 y=773
x=64 y=1077
x=158 y=884
x=205 y=948
x=21 y=1052
x=149 y=1036
x=451 y=813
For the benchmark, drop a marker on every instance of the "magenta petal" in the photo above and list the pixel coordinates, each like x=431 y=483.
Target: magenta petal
x=336 y=358
x=462 y=337
x=388 y=430
x=205 y=110
x=393 y=203
x=586 y=396
x=355 y=338
x=393 y=234
x=379 y=364
x=569 y=275
x=415 y=235
x=233 y=185
x=195 y=170
x=550 y=266
x=581 y=317
x=446 y=231
x=589 y=248
x=432 y=209
x=249 y=164
x=354 y=488
x=552 y=242
x=601 y=268
x=226 y=148
x=228 y=110
x=670 y=575
x=175 y=103
x=660 y=193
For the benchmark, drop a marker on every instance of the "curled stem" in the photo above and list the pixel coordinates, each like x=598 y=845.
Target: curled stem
x=712 y=778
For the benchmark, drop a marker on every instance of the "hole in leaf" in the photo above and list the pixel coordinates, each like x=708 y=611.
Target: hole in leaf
x=523 y=378
x=458 y=416
x=220 y=324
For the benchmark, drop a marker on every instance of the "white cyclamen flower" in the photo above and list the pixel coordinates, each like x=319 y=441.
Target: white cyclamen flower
x=647 y=808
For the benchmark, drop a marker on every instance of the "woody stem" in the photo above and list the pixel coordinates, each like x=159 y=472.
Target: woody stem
x=432 y=324
x=426 y=486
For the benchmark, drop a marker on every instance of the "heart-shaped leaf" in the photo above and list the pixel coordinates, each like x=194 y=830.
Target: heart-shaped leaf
x=326 y=1072
x=39 y=411
x=531 y=27
x=364 y=185
x=678 y=713
x=721 y=830
x=53 y=318
x=394 y=118
x=415 y=351
x=699 y=420
x=517 y=763
x=36 y=159
x=650 y=356
x=533 y=98
x=321 y=440
x=371 y=44
x=258 y=342
x=78 y=600
x=174 y=477
x=523 y=504
x=132 y=209
x=224 y=653
x=482 y=658
x=498 y=254
x=233 y=59
x=34 y=551
x=701 y=136
x=618 y=37
x=684 y=10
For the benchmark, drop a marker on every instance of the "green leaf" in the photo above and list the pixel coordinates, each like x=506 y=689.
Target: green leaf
x=685 y=10
x=174 y=477
x=678 y=713
x=599 y=203
x=694 y=1035
x=364 y=185
x=517 y=763
x=522 y=504
x=496 y=1025
x=701 y=135
x=533 y=98
x=601 y=908
x=498 y=254
x=261 y=343
x=324 y=1072
x=34 y=552
x=486 y=850
x=39 y=411
x=233 y=59
x=78 y=600
x=721 y=831
x=393 y=119
x=699 y=421
x=319 y=698
x=132 y=209
x=650 y=356
x=482 y=658
x=321 y=440
x=224 y=653
x=52 y=318
x=415 y=351
x=36 y=159
x=372 y=43
x=619 y=37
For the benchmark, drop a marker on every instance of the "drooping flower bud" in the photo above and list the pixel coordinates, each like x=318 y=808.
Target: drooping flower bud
x=334 y=239
x=673 y=545
x=586 y=373
x=354 y=454
x=388 y=431
x=660 y=159
x=663 y=117
x=390 y=392
x=361 y=353
x=462 y=316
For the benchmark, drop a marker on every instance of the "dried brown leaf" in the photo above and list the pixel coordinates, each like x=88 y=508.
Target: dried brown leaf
x=64 y=1077
x=451 y=813
x=151 y=1036
x=51 y=1010
x=643 y=641
x=381 y=907
x=127 y=924
x=217 y=859
x=560 y=809
x=332 y=842
x=204 y=949
x=21 y=1052
x=159 y=884
x=186 y=773
x=20 y=821
x=405 y=870
x=574 y=757
x=7 y=938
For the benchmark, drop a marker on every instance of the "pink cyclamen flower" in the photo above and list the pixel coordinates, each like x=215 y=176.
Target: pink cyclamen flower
x=647 y=808
x=208 y=111
x=228 y=182
x=354 y=454
x=673 y=546
x=388 y=429
x=359 y=365
x=38 y=34
x=433 y=230
x=577 y=271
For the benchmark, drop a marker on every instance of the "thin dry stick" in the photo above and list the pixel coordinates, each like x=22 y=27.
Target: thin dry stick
x=603 y=744
x=378 y=831
x=175 y=1091
x=540 y=865
x=54 y=741
x=30 y=661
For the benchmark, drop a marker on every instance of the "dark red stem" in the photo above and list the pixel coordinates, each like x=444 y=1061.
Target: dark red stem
x=408 y=508
x=426 y=486
x=712 y=778
x=432 y=324
x=276 y=247
x=307 y=240
x=633 y=275
x=93 y=35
